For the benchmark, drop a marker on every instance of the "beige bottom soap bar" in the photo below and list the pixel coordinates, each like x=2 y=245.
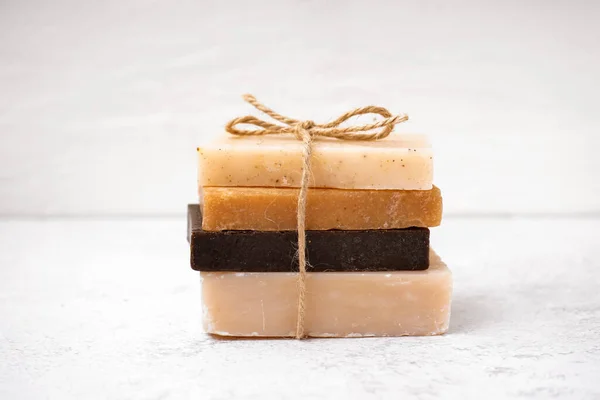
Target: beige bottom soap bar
x=339 y=304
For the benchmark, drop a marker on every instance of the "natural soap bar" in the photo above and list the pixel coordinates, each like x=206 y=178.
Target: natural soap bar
x=275 y=251
x=274 y=209
x=342 y=304
x=402 y=162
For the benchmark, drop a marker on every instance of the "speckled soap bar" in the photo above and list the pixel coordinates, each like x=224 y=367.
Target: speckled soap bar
x=400 y=161
x=336 y=250
x=340 y=304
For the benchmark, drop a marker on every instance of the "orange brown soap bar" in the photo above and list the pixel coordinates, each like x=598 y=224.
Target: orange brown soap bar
x=369 y=207
x=274 y=209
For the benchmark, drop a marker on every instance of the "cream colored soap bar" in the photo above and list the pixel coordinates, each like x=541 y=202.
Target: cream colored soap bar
x=402 y=162
x=339 y=304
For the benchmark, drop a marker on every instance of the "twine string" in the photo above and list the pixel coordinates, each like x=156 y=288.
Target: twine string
x=306 y=131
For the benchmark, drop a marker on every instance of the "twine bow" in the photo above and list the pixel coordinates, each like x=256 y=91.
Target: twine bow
x=306 y=131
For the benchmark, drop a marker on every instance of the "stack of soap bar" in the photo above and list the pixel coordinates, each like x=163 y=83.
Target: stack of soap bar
x=370 y=205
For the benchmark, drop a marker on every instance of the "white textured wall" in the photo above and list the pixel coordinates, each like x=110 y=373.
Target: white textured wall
x=102 y=103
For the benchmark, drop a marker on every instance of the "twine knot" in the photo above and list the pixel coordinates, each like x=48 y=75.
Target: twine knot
x=305 y=131
x=308 y=124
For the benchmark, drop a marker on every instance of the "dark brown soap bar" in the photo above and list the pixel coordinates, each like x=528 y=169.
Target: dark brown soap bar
x=328 y=251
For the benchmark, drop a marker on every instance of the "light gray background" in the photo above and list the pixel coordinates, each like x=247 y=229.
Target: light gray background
x=102 y=104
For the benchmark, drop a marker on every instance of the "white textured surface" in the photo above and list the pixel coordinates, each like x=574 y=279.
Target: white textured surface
x=102 y=103
x=110 y=309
